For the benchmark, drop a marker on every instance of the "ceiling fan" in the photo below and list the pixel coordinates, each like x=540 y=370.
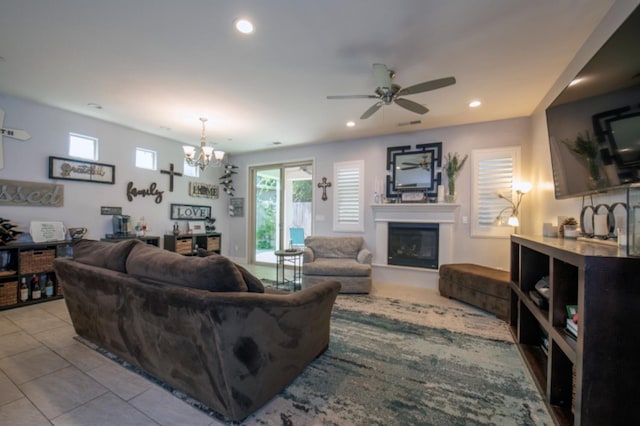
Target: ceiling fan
x=387 y=92
x=424 y=164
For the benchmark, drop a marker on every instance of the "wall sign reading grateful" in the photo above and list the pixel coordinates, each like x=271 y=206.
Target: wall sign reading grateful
x=152 y=191
x=21 y=193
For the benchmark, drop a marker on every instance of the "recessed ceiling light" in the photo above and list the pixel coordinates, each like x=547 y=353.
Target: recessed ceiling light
x=243 y=25
x=475 y=104
x=94 y=105
x=575 y=81
x=351 y=123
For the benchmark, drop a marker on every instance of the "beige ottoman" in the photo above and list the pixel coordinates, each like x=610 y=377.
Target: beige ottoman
x=481 y=286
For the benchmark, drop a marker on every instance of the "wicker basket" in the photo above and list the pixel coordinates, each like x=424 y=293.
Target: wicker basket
x=183 y=246
x=213 y=243
x=8 y=293
x=36 y=261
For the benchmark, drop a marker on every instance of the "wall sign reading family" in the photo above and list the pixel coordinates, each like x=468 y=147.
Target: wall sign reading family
x=189 y=212
x=65 y=168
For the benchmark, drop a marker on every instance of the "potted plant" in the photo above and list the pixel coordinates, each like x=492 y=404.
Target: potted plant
x=452 y=167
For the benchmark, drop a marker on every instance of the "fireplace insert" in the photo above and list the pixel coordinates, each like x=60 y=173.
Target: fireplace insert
x=413 y=244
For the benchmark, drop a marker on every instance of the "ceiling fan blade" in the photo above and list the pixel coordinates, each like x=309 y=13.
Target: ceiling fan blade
x=408 y=168
x=427 y=85
x=412 y=106
x=368 y=113
x=353 y=97
x=381 y=76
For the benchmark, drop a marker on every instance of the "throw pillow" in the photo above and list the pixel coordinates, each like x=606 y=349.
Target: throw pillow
x=205 y=273
x=104 y=254
x=253 y=283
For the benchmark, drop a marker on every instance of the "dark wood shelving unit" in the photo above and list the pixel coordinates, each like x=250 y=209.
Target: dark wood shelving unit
x=187 y=243
x=27 y=260
x=589 y=380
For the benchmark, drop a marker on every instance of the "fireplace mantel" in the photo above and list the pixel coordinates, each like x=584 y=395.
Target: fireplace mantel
x=415 y=212
x=446 y=214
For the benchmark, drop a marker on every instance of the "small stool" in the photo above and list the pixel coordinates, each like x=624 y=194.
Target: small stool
x=480 y=286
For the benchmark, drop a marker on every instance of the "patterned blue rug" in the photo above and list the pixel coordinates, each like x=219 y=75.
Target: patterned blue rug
x=380 y=370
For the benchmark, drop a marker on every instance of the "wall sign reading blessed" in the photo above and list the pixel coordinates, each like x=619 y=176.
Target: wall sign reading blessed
x=21 y=193
x=65 y=168
x=189 y=212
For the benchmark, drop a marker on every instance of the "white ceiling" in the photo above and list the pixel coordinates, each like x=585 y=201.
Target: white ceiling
x=158 y=64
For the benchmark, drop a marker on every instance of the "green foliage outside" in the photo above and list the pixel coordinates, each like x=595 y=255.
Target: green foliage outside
x=267 y=198
x=302 y=191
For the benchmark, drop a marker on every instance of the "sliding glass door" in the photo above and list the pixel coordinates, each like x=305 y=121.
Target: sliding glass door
x=281 y=209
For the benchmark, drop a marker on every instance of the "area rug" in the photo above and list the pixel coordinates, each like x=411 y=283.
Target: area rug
x=382 y=370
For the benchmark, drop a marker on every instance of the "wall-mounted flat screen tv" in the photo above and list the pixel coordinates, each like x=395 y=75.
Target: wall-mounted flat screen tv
x=594 y=124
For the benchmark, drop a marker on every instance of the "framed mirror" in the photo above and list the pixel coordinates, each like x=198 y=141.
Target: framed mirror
x=414 y=170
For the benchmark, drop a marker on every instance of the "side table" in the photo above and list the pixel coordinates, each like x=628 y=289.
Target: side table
x=294 y=258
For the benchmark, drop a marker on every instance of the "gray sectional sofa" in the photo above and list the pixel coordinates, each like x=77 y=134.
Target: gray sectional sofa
x=203 y=325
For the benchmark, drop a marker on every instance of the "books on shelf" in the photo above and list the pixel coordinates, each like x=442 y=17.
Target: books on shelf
x=572 y=321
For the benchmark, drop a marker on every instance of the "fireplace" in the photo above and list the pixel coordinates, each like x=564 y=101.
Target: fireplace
x=413 y=244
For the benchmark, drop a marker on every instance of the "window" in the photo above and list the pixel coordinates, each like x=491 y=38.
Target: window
x=348 y=206
x=494 y=171
x=83 y=146
x=146 y=158
x=193 y=171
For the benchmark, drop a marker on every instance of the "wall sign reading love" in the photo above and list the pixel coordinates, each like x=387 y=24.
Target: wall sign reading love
x=189 y=212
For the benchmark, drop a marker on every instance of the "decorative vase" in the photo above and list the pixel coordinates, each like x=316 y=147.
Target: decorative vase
x=451 y=193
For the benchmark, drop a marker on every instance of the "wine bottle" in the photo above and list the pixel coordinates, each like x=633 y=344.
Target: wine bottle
x=24 y=290
x=35 y=288
x=49 y=287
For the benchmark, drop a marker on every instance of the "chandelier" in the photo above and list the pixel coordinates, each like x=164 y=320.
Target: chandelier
x=206 y=153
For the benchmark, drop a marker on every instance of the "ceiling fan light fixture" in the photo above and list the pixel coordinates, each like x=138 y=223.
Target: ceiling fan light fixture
x=351 y=123
x=475 y=104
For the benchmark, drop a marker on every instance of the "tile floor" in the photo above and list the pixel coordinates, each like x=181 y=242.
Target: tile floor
x=47 y=377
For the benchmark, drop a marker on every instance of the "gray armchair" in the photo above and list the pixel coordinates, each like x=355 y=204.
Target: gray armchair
x=344 y=259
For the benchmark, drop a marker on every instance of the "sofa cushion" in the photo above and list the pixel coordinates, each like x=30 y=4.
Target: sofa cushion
x=253 y=284
x=213 y=273
x=104 y=254
x=335 y=246
x=336 y=267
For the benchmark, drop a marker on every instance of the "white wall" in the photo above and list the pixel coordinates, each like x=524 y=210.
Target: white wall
x=541 y=203
x=49 y=129
x=461 y=139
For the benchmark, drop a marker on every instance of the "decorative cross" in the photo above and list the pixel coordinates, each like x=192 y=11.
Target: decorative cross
x=324 y=185
x=171 y=174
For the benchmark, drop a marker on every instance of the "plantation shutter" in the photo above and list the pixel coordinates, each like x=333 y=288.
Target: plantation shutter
x=348 y=204
x=494 y=172
x=495 y=176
